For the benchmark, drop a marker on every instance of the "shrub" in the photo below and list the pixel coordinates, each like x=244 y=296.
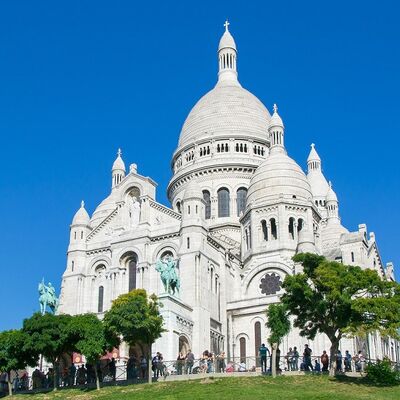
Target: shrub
x=383 y=374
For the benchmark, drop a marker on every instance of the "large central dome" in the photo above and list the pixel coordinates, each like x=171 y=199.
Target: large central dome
x=228 y=110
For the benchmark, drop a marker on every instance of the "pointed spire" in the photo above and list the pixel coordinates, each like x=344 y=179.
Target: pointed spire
x=276 y=120
x=313 y=160
x=82 y=204
x=227 y=55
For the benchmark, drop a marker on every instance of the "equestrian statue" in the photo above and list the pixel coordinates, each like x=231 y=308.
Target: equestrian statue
x=167 y=269
x=47 y=297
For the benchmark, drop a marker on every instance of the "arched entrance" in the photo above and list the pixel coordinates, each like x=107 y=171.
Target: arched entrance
x=183 y=345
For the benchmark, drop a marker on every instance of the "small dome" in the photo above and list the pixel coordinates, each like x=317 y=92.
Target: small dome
x=119 y=162
x=318 y=183
x=278 y=175
x=313 y=156
x=81 y=217
x=331 y=195
x=105 y=208
x=227 y=41
x=276 y=119
x=192 y=191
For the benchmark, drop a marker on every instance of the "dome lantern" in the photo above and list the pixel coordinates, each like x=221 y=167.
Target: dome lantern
x=118 y=170
x=227 y=56
x=276 y=131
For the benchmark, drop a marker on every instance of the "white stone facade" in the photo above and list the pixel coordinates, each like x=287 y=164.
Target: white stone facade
x=241 y=209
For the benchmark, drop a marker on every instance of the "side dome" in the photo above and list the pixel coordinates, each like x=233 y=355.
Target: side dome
x=278 y=175
x=226 y=111
x=81 y=217
x=106 y=207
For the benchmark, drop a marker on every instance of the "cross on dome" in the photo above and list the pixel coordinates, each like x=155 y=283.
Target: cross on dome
x=275 y=108
x=82 y=204
x=119 y=152
x=312 y=145
x=226 y=25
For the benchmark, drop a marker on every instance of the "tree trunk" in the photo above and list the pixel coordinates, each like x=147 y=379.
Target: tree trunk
x=97 y=377
x=273 y=361
x=55 y=374
x=10 y=392
x=333 y=352
x=149 y=371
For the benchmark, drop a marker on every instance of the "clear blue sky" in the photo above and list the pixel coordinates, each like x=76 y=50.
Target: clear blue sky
x=78 y=79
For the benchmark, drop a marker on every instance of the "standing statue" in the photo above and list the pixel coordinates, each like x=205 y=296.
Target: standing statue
x=167 y=269
x=47 y=297
x=133 y=211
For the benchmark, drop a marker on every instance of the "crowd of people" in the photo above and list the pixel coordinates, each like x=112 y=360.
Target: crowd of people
x=208 y=362
x=295 y=362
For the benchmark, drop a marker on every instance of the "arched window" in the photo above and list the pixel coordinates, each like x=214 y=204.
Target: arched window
x=291 y=228
x=241 y=195
x=242 y=343
x=274 y=231
x=264 y=229
x=207 y=199
x=135 y=192
x=132 y=265
x=352 y=257
x=100 y=299
x=72 y=266
x=257 y=341
x=178 y=207
x=223 y=202
x=300 y=224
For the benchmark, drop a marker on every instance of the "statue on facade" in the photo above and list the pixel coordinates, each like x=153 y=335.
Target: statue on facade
x=167 y=269
x=133 y=211
x=47 y=297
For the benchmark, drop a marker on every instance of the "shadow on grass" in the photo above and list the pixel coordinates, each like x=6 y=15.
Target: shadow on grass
x=363 y=381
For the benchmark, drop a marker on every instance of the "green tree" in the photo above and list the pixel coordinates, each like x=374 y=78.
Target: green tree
x=336 y=299
x=12 y=354
x=279 y=326
x=92 y=339
x=49 y=336
x=136 y=317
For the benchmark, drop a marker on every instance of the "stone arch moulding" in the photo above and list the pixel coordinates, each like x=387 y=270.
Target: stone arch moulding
x=279 y=268
x=128 y=250
x=129 y=185
x=164 y=247
x=242 y=335
x=95 y=262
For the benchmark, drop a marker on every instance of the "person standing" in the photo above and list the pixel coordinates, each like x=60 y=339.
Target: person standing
x=347 y=361
x=221 y=362
x=289 y=357
x=324 y=361
x=189 y=361
x=295 y=358
x=180 y=362
x=112 y=368
x=307 y=358
x=262 y=351
x=71 y=375
x=143 y=367
x=339 y=359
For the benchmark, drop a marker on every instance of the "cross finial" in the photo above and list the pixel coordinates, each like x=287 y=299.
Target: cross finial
x=226 y=25
x=82 y=204
x=119 y=152
x=312 y=145
x=275 y=108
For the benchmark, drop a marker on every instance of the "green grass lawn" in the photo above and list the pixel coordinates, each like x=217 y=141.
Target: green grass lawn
x=254 y=388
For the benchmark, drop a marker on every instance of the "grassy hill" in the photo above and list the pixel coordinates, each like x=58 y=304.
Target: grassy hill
x=254 y=388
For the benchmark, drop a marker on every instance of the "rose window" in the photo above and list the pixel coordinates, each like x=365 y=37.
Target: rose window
x=270 y=284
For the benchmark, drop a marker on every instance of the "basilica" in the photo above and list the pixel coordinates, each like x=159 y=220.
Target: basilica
x=241 y=208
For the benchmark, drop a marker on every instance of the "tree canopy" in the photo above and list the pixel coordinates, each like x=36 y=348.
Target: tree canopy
x=13 y=355
x=136 y=317
x=50 y=336
x=336 y=299
x=91 y=338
